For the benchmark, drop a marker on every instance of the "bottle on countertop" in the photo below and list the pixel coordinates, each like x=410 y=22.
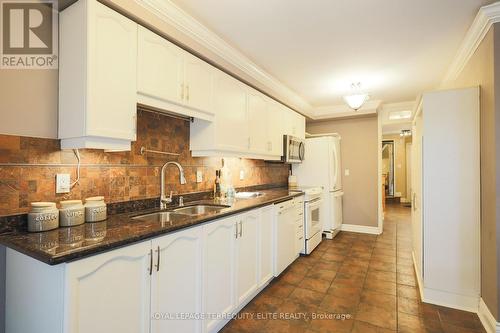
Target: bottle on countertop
x=217 y=192
x=225 y=179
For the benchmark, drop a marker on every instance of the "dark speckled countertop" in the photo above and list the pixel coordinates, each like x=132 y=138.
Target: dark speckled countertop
x=72 y=243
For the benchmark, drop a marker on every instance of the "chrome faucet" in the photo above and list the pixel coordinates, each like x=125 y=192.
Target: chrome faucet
x=164 y=200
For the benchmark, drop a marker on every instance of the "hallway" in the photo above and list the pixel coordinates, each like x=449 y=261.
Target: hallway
x=355 y=283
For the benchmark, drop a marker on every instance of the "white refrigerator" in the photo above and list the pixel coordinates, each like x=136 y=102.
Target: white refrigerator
x=322 y=167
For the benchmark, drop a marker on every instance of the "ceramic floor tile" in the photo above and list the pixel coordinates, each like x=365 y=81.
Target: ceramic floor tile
x=306 y=296
x=354 y=283
x=377 y=316
x=318 y=285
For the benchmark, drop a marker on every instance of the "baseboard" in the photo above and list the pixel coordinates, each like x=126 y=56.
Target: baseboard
x=360 y=229
x=419 y=277
x=451 y=300
x=443 y=298
x=487 y=319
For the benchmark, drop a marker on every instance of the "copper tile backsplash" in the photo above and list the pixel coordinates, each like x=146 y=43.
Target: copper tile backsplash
x=28 y=167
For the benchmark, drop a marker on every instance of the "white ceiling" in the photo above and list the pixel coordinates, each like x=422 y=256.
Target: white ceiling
x=395 y=48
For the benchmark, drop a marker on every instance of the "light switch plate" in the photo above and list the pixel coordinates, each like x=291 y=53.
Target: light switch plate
x=242 y=174
x=63 y=183
x=199 y=176
x=347 y=172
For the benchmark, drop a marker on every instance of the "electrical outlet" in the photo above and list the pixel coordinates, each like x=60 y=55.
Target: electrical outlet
x=347 y=172
x=242 y=174
x=199 y=176
x=63 y=183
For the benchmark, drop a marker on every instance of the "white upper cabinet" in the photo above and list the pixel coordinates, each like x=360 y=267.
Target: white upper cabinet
x=160 y=68
x=228 y=133
x=294 y=123
x=171 y=79
x=97 y=77
x=198 y=81
x=275 y=128
x=231 y=114
x=257 y=124
x=109 y=64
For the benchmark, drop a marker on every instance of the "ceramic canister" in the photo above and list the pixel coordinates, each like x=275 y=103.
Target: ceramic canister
x=43 y=216
x=71 y=213
x=95 y=209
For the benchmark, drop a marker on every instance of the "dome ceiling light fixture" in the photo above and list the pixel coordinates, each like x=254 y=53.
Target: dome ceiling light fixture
x=356 y=101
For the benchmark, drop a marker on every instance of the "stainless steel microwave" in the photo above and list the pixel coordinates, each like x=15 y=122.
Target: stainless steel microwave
x=293 y=149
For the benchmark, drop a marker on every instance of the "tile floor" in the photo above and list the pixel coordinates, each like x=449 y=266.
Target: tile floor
x=367 y=279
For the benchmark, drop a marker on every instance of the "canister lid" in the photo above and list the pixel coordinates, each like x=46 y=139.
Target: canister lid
x=100 y=198
x=70 y=203
x=43 y=204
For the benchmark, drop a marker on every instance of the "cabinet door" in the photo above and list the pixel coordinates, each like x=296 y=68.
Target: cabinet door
x=247 y=255
x=160 y=67
x=198 y=79
x=112 y=61
x=230 y=114
x=300 y=126
x=219 y=270
x=177 y=281
x=275 y=129
x=266 y=245
x=257 y=123
x=110 y=292
x=289 y=122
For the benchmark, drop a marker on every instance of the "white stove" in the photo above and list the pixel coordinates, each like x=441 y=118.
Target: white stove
x=312 y=217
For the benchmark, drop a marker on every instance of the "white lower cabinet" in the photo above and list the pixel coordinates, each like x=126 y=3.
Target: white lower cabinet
x=192 y=280
x=109 y=292
x=266 y=243
x=176 y=286
x=247 y=256
x=219 y=237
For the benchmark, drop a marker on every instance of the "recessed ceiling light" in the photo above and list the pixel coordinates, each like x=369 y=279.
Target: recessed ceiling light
x=399 y=115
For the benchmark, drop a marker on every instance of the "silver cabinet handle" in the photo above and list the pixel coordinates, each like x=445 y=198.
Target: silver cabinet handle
x=187 y=92
x=241 y=228
x=236 y=228
x=150 y=261
x=158 y=259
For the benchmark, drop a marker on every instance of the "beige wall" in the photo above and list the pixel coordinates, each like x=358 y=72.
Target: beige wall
x=481 y=70
x=359 y=147
x=28 y=102
x=399 y=162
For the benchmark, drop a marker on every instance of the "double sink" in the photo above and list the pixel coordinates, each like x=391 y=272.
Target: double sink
x=192 y=210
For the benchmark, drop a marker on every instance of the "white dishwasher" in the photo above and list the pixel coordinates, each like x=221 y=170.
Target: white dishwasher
x=286 y=233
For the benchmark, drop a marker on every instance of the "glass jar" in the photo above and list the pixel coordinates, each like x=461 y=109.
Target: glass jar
x=43 y=216
x=71 y=213
x=95 y=209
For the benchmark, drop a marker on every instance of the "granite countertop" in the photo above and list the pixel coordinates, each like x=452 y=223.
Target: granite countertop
x=67 y=244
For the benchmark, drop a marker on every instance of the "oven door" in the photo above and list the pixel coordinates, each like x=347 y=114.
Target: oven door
x=294 y=149
x=313 y=217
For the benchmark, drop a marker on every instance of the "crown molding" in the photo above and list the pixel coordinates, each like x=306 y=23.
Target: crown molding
x=341 y=111
x=186 y=24
x=485 y=18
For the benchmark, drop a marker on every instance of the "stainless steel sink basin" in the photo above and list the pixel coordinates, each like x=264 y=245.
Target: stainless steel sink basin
x=248 y=195
x=160 y=217
x=199 y=209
